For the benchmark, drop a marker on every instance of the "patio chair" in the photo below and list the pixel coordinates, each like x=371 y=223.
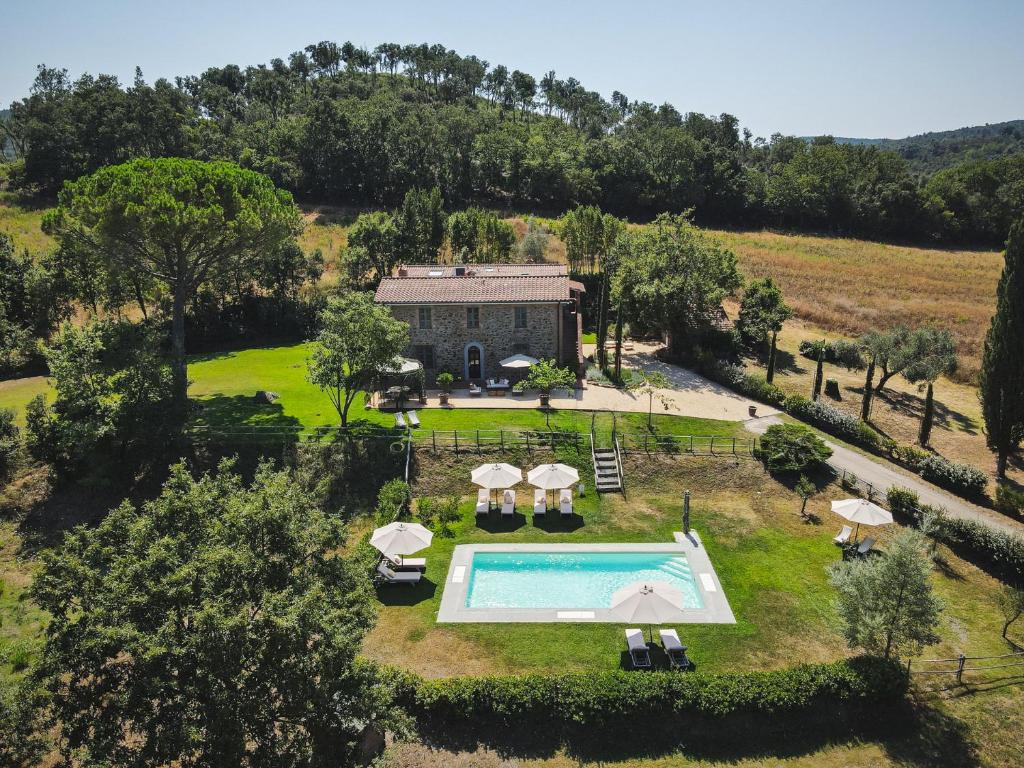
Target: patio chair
x=508 y=504
x=565 y=502
x=399 y=563
x=674 y=649
x=638 y=651
x=865 y=546
x=540 y=502
x=843 y=536
x=474 y=390
x=399 y=420
x=414 y=420
x=483 y=501
x=389 y=576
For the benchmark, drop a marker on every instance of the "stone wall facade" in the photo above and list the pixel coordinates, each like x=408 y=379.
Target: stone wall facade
x=497 y=337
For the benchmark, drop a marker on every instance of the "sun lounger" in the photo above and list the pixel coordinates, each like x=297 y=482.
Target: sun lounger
x=638 y=652
x=398 y=577
x=414 y=420
x=508 y=504
x=483 y=501
x=674 y=649
x=399 y=563
x=865 y=546
x=565 y=502
x=844 y=535
x=540 y=502
x=474 y=390
x=399 y=420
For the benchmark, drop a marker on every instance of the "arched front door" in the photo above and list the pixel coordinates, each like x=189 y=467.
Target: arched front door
x=474 y=361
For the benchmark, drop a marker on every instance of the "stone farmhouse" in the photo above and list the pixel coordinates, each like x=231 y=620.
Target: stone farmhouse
x=465 y=318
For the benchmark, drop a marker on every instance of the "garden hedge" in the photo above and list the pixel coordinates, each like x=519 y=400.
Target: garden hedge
x=700 y=707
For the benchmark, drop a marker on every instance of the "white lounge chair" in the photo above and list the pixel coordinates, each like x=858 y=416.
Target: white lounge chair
x=508 y=503
x=474 y=390
x=844 y=535
x=414 y=420
x=638 y=652
x=399 y=420
x=865 y=546
x=674 y=649
x=540 y=502
x=399 y=563
x=398 y=577
x=483 y=501
x=565 y=502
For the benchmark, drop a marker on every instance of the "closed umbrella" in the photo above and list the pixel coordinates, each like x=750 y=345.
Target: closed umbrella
x=551 y=477
x=401 y=538
x=494 y=476
x=518 y=361
x=861 y=511
x=647 y=602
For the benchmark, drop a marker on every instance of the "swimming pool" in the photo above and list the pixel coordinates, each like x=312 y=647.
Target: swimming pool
x=563 y=582
x=572 y=580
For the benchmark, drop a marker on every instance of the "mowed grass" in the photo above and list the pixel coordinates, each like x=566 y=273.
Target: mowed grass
x=850 y=286
x=772 y=565
x=16 y=394
x=23 y=224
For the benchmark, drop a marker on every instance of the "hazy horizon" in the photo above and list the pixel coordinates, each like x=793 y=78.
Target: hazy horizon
x=793 y=68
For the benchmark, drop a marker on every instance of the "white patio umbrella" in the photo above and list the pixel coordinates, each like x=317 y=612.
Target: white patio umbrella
x=401 y=538
x=551 y=477
x=518 y=361
x=861 y=511
x=404 y=365
x=647 y=602
x=494 y=476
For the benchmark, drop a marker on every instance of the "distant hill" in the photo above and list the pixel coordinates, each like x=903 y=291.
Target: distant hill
x=930 y=152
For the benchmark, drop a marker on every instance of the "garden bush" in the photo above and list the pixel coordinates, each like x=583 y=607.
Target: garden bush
x=791 y=448
x=998 y=552
x=753 y=386
x=834 y=421
x=844 y=353
x=601 y=705
x=1009 y=501
x=909 y=455
x=959 y=478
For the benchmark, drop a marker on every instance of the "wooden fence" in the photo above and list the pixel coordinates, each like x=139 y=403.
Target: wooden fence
x=962 y=664
x=481 y=440
x=645 y=442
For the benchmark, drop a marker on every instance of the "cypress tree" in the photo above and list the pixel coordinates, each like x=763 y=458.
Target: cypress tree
x=929 y=416
x=819 y=373
x=1002 y=364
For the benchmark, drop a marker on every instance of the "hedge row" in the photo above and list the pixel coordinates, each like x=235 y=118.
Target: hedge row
x=962 y=479
x=601 y=703
x=844 y=353
x=998 y=552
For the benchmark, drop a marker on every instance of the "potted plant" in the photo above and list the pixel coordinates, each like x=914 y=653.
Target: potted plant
x=444 y=380
x=545 y=376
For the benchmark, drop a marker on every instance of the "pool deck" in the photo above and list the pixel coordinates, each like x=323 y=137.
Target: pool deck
x=453 y=609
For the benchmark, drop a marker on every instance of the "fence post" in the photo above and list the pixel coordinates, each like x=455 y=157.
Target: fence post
x=646 y=449
x=456 y=433
x=960 y=668
x=478 y=441
x=501 y=433
x=734 y=446
x=528 y=442
x=433 y=439
x=691 y=443
x=712 y=449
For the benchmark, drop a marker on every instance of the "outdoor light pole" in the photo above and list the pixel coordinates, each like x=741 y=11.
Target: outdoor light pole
x=686 y=512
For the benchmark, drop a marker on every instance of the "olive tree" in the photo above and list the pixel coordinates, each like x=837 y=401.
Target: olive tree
x=178 y=223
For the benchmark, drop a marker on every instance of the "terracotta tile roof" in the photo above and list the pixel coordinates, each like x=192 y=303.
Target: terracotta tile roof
x=497 y=289
x=481 y=270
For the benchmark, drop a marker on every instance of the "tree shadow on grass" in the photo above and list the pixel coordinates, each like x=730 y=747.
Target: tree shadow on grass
x=402 y=594
x=912 y=406
x=235 y=411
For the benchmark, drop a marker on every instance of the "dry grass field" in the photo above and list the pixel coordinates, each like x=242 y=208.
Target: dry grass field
x=850 y=286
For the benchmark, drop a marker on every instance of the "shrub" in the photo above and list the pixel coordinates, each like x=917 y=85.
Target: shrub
x=598 y=705
x=1000 y=553
x=959 y=478
x=733 y=376
x=791 y=448
x=9 y=443
x=1009 y=501
x=909 y=455
x=392 y=499
x=844 y=353
x=833 y=421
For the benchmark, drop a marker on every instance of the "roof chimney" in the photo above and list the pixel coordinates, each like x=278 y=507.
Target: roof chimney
x=460 y=271
x=402 y=271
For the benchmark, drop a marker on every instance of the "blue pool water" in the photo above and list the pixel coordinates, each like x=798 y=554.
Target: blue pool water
x=571 y=580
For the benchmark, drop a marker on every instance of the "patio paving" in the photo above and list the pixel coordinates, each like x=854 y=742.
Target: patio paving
x=689 y=395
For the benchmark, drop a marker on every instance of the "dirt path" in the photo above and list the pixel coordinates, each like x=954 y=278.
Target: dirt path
x=885 y=475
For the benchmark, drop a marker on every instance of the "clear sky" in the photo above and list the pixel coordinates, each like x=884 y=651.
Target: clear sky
x=868 y=68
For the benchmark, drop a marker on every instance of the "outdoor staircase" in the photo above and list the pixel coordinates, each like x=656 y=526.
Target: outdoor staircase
x=606 y=470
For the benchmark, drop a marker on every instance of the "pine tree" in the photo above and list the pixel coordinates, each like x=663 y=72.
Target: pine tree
x=1001 y=380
